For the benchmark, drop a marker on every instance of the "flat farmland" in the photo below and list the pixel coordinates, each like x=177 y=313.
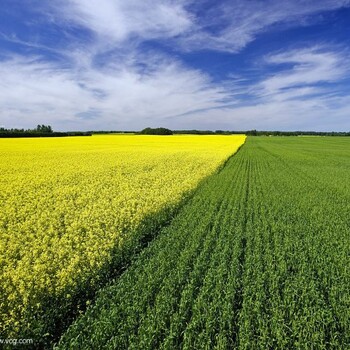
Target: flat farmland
x=74 y=210
x=258 y=258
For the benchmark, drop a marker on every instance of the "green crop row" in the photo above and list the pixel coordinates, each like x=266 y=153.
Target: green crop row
x=259 y=258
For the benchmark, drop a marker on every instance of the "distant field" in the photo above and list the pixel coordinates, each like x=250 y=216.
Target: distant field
x=69 y=204
x=257 y=259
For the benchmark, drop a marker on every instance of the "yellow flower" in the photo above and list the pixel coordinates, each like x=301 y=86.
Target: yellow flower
x=67 y=203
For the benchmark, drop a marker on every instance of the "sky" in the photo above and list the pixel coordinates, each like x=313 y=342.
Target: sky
x=179 y=64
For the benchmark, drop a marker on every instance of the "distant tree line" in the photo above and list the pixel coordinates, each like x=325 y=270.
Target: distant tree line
x=46 y=131
x=206 y=132
x=164 y=131
x=39 y=131
x=262 y=133
x=102 y=132
x=295 y=133
x=156 y=131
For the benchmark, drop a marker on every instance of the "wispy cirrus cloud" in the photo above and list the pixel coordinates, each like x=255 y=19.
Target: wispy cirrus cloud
x=117 y=21
x=222 y=26
x=309 y=66
x=307 y=69
x=232 y=25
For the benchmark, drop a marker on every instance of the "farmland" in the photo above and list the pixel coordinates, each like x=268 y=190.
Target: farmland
x=258 y=258
x=74 y=210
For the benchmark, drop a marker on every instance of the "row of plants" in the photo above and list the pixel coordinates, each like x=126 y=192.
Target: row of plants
x=257 y=259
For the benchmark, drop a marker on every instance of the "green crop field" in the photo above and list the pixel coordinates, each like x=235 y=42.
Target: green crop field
x=258 y=258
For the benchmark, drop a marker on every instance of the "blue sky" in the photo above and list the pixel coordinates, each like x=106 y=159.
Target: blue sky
x=181 y=64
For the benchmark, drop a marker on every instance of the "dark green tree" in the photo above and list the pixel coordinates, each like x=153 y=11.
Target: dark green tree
x=156 y=131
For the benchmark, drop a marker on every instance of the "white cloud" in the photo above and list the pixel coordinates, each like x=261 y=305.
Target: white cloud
x=118 y=20
x=310 y=67
x=121 y=98
x=161 y=91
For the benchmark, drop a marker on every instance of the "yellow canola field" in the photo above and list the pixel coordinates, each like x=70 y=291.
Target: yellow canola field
x=67 y=202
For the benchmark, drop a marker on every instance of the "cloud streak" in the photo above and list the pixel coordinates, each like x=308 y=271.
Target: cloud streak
x=116 y=21
x=309 y=68
x=237 y=23
x=124 y=98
